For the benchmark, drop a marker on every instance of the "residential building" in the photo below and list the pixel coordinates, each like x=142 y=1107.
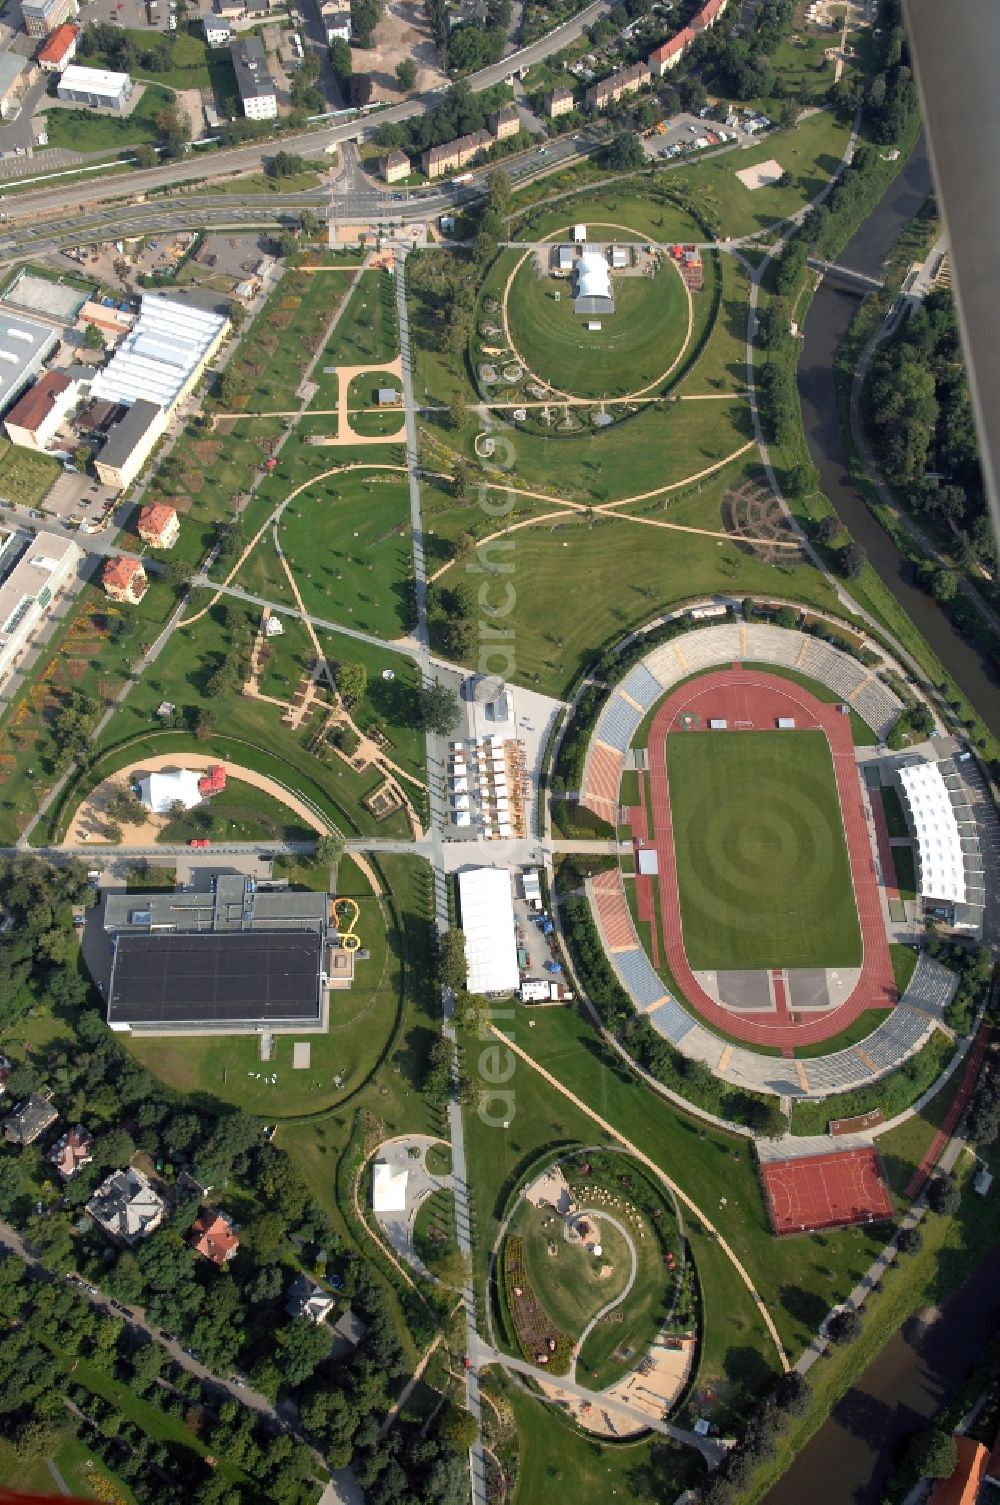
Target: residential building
x=60 y=49
x=452 y=155
x=72 y=1152
x=41 y=17
x=214 y=1236
x=306 y=1299
x=31 y=1117
x=36 y=416
x=709 y=14
x=16 y=75
x=28 y=589
x=394 y=166
x=257 y=93
x=130 y=443
x=348 y=1330
x=335 y=16
x=158 y=525
x=164 y=354
x=505 y=123
x=218 y=32
x=608 y=90
x=98 y=87
x=229 y=10
x=127 y=1207
x=25 y=345
x=558 y=101
x=669 y=55
x=5 y=1070
x=238 y=959
x=124 y=580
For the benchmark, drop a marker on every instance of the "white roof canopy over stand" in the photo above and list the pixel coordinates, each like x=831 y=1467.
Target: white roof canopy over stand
x=487 y=911
x=939 y=843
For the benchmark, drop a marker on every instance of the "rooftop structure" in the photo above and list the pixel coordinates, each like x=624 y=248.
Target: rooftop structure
x=59 y=49
x=129 y=443
x=213 y=1235
x=99 y=87
x=158 y=525
x=124 y=580
x=306 y=1299
x=24 y=345
x=235 y=959
x=30 y=1118
x=218 y=32
x=161 y=791
x=163 y=355
x=126 y=1206
x=593 y=285
x=388 y=1187
x=939 y=844
x=72 y=1152
x=28 y=590
x=256 y=86
x=487 y=919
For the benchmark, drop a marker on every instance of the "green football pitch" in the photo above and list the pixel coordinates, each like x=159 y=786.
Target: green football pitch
x=762 y=862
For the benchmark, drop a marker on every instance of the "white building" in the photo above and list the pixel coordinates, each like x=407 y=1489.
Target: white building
x=487 y=918
x=593 y=285
x=160 y=792
x=388 y=1187
x=218 y=32
x=29 y=588
x=24 y=346
x=256 y=86
x=164 y=354
x=97 y=87
x=941 y=865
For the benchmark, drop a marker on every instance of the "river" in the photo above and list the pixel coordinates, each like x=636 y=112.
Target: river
x=826 y=324
x=918 y=1371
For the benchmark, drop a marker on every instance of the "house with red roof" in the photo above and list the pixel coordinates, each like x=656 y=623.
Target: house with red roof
x=158 y=525
x=213 y=781
x=669 y=55
x=59 y=49
x=72 y=1152
x=963 y=1485
x=36 y=416
x=214 y=1236
x=125 y=580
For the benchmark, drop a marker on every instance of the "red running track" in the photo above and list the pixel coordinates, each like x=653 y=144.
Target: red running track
x=757 y=699
x=916 y=1183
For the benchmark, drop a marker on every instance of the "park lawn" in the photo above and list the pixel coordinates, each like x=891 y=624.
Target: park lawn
x=351 y=552
x=377 y=423
x=285 y=336
x=438 y=375
x=721 y=365
x=451 y=521
x=205 y=474
x=84 y=131
x=624 y=573
x=92 y=652
x=259 y=182
x=632 y=350
x=241 y=813
x=568 y=1283
x=85 y=1472
x=434 y=1233
x=811 y=153
x=367 y=333
x=895 y=819
x=904 y=963
x=189 y=55
x=633 y=1327
x=607 y=212
x=799 y=1279
x=26 y=476
x=550 y=1450
x=230 y=1068
x=762 y=863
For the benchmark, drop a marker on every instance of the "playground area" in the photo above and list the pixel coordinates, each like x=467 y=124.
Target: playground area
x=826 y=1191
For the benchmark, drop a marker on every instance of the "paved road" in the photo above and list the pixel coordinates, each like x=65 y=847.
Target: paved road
x=309 y=143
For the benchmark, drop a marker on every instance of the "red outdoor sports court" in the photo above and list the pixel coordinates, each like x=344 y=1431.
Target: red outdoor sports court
x=825 y=1191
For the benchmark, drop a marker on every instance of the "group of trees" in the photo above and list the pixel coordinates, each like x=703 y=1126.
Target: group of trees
x=476 y=45
x=365 y=16
x=99 y=39
x=740 y=66
x=918 y=414
x=889 y=97
x=37 y=950
x=786 y=1399
x=232 y=664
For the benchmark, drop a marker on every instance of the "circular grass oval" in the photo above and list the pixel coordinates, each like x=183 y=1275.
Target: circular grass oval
x=635 y=346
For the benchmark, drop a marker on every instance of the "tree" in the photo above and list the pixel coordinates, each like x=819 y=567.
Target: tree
x=909 y=1240
x=458 y=414
x=458 y=1428
x=933 y=1454
x=439 y=708
x=851 y=560
x=791 y=1393
x=82 y=456
x=828 y=529
x=93 y=339
x=452 y=968
x=145 y=155
x=330 y=848
x=406 y=74
x=352 y=682
x=786 y=616
x=174 y=128
x=625 y=153
x=237 y=315
x=341 y=60
x=176 y=572
x=844 y=1326
x=944 y=1195
x=802 y=479
x=227 y=388
x=302 y=1347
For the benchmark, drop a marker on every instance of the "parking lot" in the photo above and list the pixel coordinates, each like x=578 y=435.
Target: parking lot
x=681 y=133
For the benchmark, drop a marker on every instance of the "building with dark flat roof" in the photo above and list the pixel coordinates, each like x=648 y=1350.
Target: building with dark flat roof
x=236 y=959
